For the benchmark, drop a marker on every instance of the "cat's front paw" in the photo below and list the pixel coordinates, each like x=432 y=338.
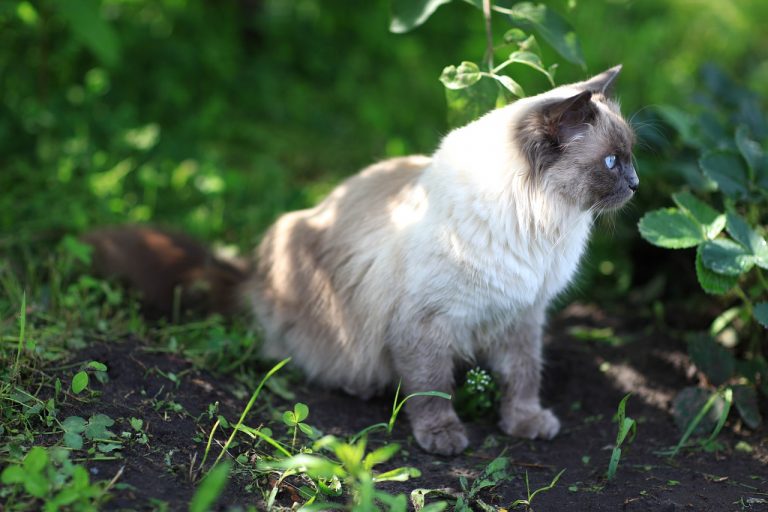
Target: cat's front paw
x=443 y=438
x=537 y=423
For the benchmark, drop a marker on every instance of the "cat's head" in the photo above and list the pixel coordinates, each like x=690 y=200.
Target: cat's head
x=579 y=146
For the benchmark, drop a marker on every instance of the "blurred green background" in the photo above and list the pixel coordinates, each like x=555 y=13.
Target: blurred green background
x=215 y=117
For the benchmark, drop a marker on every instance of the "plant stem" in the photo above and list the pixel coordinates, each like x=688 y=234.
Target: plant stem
x=762 y=279
x=488 y=34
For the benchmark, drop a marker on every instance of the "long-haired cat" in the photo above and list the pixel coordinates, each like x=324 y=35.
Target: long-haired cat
x=418 y=263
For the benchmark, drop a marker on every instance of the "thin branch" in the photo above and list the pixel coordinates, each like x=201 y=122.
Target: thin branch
x=488 y=34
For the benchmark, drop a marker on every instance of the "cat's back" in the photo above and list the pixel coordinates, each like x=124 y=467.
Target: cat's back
x=311 y=290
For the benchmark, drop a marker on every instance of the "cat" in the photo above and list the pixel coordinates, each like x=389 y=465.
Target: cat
x=419 y=263
x=172 y=271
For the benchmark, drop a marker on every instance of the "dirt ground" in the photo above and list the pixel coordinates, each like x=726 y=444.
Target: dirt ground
x=584 y=382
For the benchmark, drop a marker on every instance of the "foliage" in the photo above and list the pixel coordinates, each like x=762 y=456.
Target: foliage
x=726 y=223
x=627 y=430
x=494 y=474
x=478 y=396
x=527 y=502
x=48 y=476
x=470 y=91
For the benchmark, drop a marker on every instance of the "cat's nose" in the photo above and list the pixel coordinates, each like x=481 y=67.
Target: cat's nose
x=631 y=178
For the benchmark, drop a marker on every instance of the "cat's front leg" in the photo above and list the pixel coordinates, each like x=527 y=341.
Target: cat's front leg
x=517 y=361
x=427 y=365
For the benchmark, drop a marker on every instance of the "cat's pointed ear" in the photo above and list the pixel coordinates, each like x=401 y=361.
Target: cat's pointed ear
x=602 y=83
x=568 y=117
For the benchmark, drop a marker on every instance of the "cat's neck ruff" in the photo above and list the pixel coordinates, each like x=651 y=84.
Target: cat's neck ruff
x=496 y=184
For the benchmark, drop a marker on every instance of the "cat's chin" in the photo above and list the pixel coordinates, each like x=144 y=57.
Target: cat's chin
x=613 y=202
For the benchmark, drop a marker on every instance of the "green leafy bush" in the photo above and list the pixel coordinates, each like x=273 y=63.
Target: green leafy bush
x=723 y=214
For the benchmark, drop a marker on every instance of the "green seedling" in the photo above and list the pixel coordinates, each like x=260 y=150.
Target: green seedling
x=293 y=419
x=49 y=475
x=727 y=396
x=528 y=501
x=138 y=435
x=348 y=463
x=626 y=433
x=493 y=474
x=396 y=407
x=478 y=395
x=247 y=409
x=95 y=430
x=80 y=380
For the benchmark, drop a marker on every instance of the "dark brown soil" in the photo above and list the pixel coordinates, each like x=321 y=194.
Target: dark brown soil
x=584 y=382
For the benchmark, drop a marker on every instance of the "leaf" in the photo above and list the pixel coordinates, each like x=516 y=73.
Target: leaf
x=512 y=86
x=711 y=281
x=108 y=447
x=683 y=123
x=613 y=464
x=301 y=411
x=36 y=484
x=466 y=74
x=306 y=429
x=741 y=231
x=79 y=382
x=749 y=149
x=13 y=475
x=97 y=427
x=99 y=367
x=760 y=313
x=380 y=455
x=289 y=418
x=670 y=228
x=531 y=60
x=712 y=220
x=88 y=26
x=745 y=398
x=466 y=105
x=409 y=14
x=726 y=168
x=397 y=475
x=36 y=460
x=73 y=440
x=74 y=424
x=726 y=257
x=137 y=424
x=550 y=26
x=210 y=488
x=716 y=361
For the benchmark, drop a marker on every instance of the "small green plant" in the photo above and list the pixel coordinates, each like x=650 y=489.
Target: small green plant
x=478 y=395
x=724 y=216
x=80 y=380
x=138 y=435
x=350 y=464
x=715 y=409
x=293 y=419
x=396 y=407
x=95 y=429
x=47 y=480
x=528 y=501
x=494 y=473
x=627 y=430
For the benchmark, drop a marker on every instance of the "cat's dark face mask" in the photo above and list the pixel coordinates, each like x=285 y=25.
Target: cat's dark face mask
x=580 y=147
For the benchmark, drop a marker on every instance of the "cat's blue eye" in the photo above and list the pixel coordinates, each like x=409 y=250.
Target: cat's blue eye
x=610 y=161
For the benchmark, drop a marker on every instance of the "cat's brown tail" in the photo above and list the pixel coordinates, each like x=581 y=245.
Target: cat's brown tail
x=171 y=271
